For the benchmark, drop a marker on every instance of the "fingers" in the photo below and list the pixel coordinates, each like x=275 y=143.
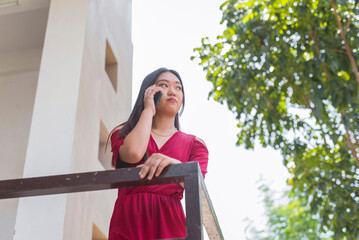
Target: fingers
x=161 y=166
x=144 y=171
x=151 y=165
x=155 y=164
x=153 y=169
x=152 y=90
x=148 y=99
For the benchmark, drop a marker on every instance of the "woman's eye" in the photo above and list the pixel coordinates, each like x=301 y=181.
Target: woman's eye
x=179 y=88
x=163 y=85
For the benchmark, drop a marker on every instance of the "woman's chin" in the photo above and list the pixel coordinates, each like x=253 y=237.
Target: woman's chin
x=168 y=110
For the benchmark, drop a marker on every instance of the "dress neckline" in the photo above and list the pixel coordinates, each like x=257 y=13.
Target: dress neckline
x=165 y=144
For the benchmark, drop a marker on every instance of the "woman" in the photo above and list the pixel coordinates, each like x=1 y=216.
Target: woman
x=151 y=139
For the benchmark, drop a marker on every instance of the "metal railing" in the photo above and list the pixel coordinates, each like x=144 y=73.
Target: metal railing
x=198 y=203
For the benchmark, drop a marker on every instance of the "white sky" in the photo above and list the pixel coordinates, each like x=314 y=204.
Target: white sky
x=164 y=33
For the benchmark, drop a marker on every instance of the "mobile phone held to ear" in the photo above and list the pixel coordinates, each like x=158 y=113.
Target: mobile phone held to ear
x=157 y=98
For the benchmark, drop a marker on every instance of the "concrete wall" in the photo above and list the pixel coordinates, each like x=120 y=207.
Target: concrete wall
x=17 y=94
x=51 y=136
x=56 y=115
x=22 y=36
x=99 y=102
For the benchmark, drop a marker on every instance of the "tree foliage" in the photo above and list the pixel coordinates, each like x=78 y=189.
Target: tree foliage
x=288 y=69
x=290 y=221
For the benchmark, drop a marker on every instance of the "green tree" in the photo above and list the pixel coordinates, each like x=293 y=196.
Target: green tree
x=288 y=69
x=290 y=221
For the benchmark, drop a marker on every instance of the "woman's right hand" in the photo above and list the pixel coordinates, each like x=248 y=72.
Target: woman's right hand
x=155 y=164
x=148 y=100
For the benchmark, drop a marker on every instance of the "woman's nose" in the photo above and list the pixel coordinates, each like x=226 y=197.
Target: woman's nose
x=171 y=92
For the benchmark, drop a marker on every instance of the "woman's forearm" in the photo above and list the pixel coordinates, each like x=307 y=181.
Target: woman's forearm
x=136 y=142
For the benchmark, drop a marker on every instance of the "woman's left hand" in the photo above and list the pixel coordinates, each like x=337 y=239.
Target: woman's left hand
x=155 y=164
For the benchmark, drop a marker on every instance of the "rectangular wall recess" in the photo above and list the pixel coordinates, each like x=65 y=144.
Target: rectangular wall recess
x=111 y=65
x=104 y=158
x=97 y=234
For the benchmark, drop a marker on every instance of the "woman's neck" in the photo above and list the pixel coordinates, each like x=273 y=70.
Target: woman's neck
x=163 y=123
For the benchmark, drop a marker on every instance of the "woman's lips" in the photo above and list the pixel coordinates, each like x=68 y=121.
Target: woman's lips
x=172 y=100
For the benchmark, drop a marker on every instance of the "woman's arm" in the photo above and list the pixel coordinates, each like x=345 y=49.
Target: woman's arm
x=135 y=144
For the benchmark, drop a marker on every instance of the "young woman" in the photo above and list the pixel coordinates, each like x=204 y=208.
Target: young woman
x=151 y=139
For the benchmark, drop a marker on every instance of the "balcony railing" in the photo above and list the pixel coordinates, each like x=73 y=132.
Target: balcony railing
x=199 y=207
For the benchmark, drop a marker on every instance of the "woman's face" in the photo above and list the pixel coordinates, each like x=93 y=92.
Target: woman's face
x=172 y=95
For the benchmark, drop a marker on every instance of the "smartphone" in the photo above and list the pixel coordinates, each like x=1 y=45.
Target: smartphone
x=157 y=98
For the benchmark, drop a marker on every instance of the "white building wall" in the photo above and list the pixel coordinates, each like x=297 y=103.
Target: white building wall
x=98 y=101
x=52 y=128
x=22 y=30
x=17 y=94
x=52 y=116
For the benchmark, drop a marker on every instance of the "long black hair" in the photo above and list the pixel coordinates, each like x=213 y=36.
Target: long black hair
x=149 y=80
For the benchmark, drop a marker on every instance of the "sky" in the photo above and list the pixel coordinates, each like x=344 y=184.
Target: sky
x=164 y=34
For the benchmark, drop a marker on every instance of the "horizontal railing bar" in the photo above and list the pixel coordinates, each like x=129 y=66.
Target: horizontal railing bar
x=90 y=181
x=111 y=179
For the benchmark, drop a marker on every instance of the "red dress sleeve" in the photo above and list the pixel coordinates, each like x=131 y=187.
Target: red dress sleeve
x=199 y=153
x=116 y=143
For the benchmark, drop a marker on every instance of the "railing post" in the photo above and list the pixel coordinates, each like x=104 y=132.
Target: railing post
x=192 y=186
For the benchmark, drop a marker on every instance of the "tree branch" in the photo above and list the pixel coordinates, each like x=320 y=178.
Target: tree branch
x=338 y=50
x=352 y=148
x=351 y=145
x=356 y=140
x=306 y=98
x=347 y=48
x=317 y=48
x=347 y=26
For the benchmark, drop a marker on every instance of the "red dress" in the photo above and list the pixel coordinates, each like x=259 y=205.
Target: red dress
x=155 y=212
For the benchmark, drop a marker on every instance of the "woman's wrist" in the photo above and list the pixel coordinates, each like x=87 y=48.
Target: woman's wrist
x=149 y=111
